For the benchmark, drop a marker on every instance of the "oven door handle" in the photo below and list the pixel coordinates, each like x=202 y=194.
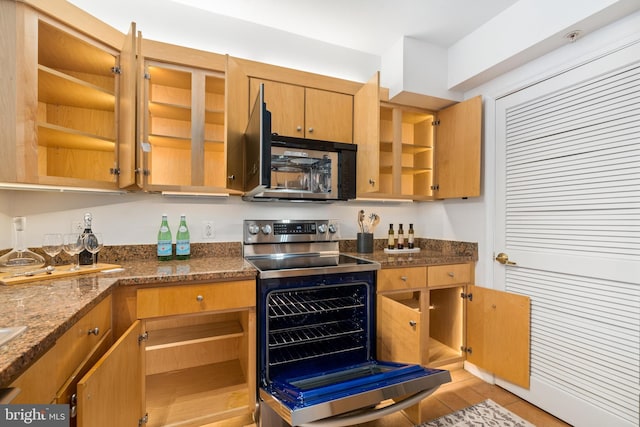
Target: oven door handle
x=370 y=414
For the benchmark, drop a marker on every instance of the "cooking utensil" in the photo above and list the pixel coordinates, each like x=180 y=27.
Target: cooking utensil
x=48 y=269
x=375 y=220
x=361 y=218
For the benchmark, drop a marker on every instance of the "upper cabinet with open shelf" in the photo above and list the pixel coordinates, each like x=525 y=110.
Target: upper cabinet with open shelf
x=182 y=119
x=408 y=153
x=71 y=128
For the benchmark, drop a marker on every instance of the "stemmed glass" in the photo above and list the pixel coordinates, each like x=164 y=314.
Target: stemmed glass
x=52 y=245
x=93 y=243
x=73 y=244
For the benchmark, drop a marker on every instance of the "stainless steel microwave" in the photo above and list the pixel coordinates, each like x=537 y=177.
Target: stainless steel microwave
x=298 y=169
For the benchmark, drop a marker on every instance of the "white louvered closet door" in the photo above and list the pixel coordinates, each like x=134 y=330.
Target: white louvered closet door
x=568 y=215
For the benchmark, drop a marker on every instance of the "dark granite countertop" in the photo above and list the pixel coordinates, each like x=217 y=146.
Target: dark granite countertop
x=50 y=307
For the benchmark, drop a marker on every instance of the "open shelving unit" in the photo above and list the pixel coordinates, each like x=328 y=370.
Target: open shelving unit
x=445 y=325
x=195 y=372
x=185 y=113
x=76 y=117
x=406 y=152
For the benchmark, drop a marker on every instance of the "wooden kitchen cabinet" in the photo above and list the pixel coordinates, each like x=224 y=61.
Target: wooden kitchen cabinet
x=182 y=119
x=446 y=319
x=411 y=153
x=188 y=359
x=306 y=112
x=435 y=316
x=53 y=378
x=69 y=120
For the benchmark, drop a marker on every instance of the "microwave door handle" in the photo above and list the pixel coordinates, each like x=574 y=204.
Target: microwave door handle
x=371 y=414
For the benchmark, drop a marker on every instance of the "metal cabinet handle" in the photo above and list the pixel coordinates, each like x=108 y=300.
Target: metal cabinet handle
x=310 y=130
x=372 y=181
x=404 y=278
x=94 y=331
x=412 y=323
x=450 y=274
x=299 y=128
x=199 y=298
x=74 y=405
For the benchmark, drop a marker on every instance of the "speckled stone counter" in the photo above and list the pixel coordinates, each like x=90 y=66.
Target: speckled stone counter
x=49 y=307
x=432 y=252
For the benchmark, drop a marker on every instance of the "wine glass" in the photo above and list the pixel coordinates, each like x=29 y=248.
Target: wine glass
x=72 y=245
x=93 y=243
x=52 y=245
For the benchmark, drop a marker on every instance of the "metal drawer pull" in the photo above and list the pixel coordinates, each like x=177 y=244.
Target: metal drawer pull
x=450 y=274
x=412 y=323
x=404 y=278
x=199 y=298
x=94 y=331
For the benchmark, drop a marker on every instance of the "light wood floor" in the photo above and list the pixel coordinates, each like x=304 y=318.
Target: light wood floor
x=465 y=390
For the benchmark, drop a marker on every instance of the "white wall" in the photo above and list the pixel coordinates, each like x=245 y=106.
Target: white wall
x=134 y=218
x=475 y=221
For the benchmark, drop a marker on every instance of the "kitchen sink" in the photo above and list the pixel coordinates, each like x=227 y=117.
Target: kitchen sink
x=7 y=334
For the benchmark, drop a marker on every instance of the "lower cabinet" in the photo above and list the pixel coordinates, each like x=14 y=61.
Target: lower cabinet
x=435 y=316
x=189 y=359
x=53 y=378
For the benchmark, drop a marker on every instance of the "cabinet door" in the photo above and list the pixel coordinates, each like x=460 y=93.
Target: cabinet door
x=237 y=119
x=399 y=328
x=498 y=333
x=458 y=150
x=366 y=134
x=286 y=104
x=111 y=394
x=328 y=115
x=127 y=111
x=183 y=140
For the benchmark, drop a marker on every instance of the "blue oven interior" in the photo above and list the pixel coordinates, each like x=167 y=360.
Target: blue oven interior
x=317 y=339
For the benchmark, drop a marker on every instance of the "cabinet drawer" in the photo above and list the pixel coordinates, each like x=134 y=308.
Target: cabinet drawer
x=81 y=339
x=185 y=299
x=396 y=279
x=449 y=274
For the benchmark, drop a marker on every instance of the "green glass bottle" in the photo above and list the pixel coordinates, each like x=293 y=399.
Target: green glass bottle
x=165 y=250
x=183 y=245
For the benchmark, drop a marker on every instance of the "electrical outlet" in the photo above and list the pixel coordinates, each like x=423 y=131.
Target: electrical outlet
x=77 y=227
x=207 y=230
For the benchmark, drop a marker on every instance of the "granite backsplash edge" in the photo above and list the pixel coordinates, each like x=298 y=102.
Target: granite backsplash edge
x=118 y=253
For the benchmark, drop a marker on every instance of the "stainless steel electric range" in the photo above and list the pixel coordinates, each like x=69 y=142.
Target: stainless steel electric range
x=316 y=356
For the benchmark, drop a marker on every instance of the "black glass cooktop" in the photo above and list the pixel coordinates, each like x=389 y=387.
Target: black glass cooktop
x=302 y=265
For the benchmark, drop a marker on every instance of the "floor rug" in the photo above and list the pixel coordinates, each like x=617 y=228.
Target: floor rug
x=484 y=414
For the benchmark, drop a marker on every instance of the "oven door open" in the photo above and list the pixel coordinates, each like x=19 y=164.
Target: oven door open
x=348 y=395
x=317 y=353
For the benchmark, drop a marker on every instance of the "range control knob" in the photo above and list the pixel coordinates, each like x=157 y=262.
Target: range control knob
x=332 y=228
x=266 y=229
x=253 y=229
x=322 y=228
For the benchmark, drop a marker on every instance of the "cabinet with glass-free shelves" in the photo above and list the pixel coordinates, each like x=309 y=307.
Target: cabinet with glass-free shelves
x=182 y=119
x=411 y=153
x=73 y=94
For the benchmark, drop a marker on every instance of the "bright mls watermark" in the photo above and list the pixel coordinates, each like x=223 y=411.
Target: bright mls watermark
x=34 y=415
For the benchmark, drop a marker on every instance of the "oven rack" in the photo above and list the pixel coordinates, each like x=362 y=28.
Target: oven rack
x=290 y=304
x=312 y=351
x=313 y=333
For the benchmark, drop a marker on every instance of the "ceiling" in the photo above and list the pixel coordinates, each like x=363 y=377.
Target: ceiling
x=370 y=26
